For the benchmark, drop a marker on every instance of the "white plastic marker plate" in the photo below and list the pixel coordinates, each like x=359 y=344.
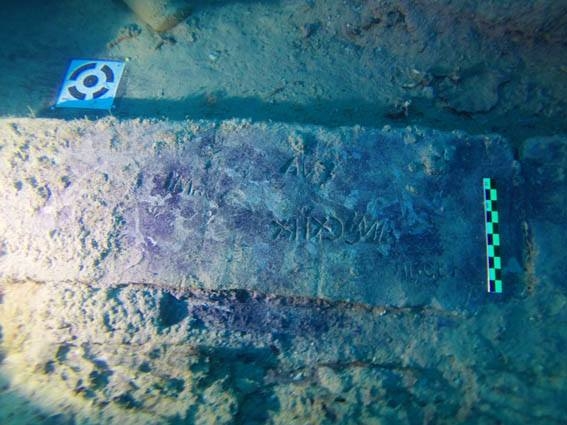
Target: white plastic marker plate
x=90 y=84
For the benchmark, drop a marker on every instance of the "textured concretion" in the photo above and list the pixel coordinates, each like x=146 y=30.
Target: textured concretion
x=381 y=217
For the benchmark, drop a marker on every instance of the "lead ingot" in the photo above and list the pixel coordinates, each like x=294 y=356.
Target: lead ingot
x=236 y=205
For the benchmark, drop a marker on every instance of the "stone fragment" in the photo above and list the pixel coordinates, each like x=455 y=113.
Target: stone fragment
x=161 y=15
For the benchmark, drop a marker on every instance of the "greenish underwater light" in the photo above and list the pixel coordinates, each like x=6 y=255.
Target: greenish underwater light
x=492 y=224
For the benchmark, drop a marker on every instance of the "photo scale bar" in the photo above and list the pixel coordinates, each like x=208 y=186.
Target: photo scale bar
x=492 y=223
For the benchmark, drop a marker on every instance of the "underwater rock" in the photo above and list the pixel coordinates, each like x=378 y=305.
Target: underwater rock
x=377 y=364
x=476 y=93
x=544 y=161
x=381 y=217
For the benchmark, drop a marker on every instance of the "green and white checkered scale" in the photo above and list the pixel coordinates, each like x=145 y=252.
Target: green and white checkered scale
x=492 y=224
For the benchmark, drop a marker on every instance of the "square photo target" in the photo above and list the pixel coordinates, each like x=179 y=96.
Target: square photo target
x=90 y=84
